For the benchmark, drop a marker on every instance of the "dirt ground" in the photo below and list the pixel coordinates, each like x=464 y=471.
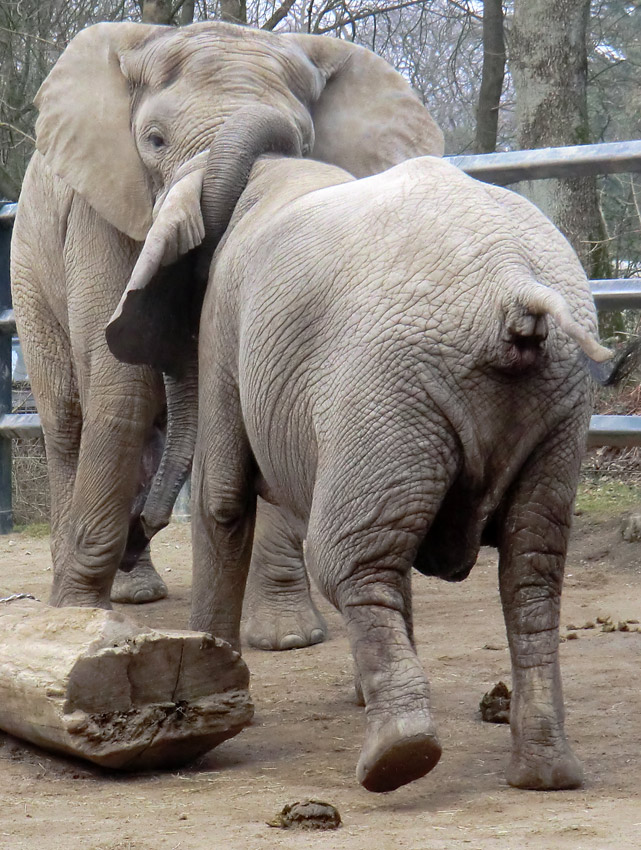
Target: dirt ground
x=306 y=735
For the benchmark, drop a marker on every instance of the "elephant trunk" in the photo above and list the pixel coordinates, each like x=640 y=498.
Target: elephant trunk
x=246 y=135
x=178 y=452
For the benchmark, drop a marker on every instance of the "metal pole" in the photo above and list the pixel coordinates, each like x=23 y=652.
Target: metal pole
x=575 y=161
x=6 y=513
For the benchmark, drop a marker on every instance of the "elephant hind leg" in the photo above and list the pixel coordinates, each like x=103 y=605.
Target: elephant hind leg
x=401 y=751
x=362 y=539
x=140 y=584
x=137 y=580
x=532 y=554
x=279 y=610
x=401 y=744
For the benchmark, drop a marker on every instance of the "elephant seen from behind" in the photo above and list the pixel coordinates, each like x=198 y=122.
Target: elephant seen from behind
x=400 y=365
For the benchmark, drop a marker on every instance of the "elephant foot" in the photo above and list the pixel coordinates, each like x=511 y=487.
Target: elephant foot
x=545 y=773
x=278 y=628
x=67 y=598
x=399 y=751
x=142 y=584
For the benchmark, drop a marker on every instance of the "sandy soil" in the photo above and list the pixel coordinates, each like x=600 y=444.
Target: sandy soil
x=306 y=735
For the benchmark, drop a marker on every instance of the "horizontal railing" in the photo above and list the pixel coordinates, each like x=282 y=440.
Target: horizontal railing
x=573 y=161
x=498 y=168
x=624 y=432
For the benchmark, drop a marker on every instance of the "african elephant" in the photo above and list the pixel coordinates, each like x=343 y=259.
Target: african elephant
x=129 y=111
x=400 y=364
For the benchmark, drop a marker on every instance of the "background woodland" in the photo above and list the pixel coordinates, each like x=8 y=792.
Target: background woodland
x=496 y=76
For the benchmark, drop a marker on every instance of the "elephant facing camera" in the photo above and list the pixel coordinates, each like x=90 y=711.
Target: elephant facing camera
x=127 y=120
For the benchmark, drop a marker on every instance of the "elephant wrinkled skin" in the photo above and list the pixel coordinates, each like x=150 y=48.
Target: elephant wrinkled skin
x=126 y=115
x=399 y=364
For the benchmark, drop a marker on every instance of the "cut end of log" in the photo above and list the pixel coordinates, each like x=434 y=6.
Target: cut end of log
x=92 y=684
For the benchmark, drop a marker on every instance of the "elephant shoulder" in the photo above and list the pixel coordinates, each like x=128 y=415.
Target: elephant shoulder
x=41 y=182
x=44 y=204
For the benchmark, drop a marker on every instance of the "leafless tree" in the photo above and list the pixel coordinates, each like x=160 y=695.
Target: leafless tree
x=549 y=65
x=487 y=115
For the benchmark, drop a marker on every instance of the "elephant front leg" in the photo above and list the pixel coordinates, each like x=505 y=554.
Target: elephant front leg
x=279 y=610
x=532 y=556
x=110 y=451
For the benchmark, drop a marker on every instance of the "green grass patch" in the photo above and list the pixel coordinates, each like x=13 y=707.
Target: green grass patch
x=37 y=530
x=607 y=498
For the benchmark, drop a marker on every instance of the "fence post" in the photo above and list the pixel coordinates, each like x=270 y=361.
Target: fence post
x=6 y=227
x=182 y=506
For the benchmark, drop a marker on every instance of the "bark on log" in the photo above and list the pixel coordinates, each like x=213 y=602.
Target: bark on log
x=92 y=684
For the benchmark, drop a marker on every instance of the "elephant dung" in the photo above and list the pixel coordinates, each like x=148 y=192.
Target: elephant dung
x=309 y=814
x=92 y=684
x=495 y=705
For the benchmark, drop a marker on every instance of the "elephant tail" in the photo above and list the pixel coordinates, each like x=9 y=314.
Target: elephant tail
x=526 y=313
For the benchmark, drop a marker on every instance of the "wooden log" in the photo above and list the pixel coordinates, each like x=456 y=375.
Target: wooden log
x=93 y=684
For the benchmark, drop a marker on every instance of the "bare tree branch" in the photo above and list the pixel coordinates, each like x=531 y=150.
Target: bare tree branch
x=233 y=11
x=365 y=13
x=9 y=187
x=156 y=12
x=18 y=130
x=487 y=114
x=34 y=37
x=278 y=15
x=465 y=8
x=187 y=12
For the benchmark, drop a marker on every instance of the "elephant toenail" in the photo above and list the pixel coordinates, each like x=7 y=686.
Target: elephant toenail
x=264 y=644
x=317 y=636
x=292 y=642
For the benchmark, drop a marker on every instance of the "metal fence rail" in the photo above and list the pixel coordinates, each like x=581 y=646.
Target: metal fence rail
x=572 y=161
x=498 y=168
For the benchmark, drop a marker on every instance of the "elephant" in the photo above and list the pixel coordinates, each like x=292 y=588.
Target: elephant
x=403 y=364
x=126 y=119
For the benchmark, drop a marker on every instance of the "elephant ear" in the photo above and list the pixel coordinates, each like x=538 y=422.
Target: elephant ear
x=84 y=126
x=157 y=316
x=367 y=118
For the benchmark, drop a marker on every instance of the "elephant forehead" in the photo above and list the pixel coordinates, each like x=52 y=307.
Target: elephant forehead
x=223 y=57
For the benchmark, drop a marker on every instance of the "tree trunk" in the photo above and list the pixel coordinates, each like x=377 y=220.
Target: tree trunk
x=487 y=115
x=157 y=12
x=234 y=11
x=548 y=60
x=187 y=13
x=9 y=188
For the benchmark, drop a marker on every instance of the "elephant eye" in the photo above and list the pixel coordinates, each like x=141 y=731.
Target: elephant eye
x=156 y=140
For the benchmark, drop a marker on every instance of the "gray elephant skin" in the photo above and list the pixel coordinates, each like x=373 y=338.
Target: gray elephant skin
x=398 y=363
x=128 y=111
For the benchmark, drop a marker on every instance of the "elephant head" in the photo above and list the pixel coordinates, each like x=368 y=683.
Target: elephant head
x=126 y=105
x=130 y=110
